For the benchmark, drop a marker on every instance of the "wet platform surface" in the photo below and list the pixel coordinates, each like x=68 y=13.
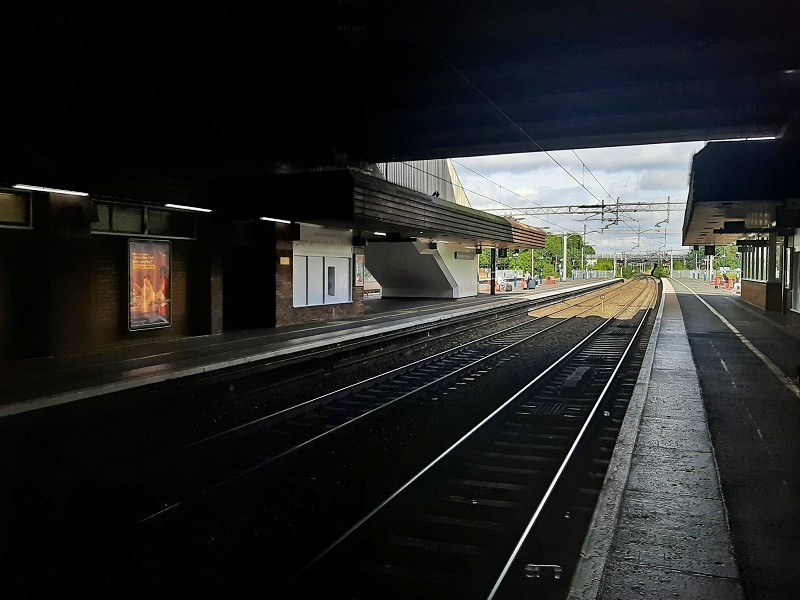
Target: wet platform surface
x=702 y=495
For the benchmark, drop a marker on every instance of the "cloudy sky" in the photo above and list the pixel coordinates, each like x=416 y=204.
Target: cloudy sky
x=531 y=181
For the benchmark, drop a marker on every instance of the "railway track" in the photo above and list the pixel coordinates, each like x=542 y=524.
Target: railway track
x=214 y=465
x=461 y=527
x=229 y=455
x=154 y=419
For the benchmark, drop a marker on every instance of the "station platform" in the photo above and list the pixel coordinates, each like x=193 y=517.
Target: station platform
x=28 y=385
x=702 y=494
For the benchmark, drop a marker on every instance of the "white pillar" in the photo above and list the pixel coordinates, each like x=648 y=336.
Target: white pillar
x=564 y=262
x=583 y=254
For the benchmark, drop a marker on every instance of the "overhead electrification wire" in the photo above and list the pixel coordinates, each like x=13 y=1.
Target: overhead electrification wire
x=516 y=126
x=437 y=52
x=511 y=208
x=478 y=193
x=592 y=174
x=535 y=143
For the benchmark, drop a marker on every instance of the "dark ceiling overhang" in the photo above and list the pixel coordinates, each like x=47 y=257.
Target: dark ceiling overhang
x=160 y=94
x=740 y=188
x=351 y=199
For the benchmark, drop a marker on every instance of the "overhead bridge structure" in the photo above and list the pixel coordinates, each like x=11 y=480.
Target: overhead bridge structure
x=180 y=187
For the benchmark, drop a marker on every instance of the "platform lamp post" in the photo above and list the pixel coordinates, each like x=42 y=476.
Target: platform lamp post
x=565 y=238
x=711 y=267
x=583 y=254
x=541 y=269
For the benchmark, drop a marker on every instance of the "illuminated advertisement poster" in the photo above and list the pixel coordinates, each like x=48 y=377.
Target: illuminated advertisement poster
x=359 y=271
x=149 y=276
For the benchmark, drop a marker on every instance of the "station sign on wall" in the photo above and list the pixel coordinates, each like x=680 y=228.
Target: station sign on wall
x=149 y=264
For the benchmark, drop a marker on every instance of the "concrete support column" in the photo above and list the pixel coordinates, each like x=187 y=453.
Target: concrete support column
x=772 y=252
x=493 y=271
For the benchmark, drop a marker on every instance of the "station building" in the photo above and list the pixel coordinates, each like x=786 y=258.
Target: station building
x=89 y=264
x=748 y=193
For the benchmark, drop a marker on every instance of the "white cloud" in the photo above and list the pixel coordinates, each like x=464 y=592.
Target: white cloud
x=659 y=179
x=530 y=182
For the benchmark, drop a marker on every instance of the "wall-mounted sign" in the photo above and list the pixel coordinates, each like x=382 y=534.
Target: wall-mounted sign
x=149 y=265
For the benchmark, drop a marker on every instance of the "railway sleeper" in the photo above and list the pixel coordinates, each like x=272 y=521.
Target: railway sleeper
x=518 y=447
x=504 y=470
x=491 y=490
x=424 y=556
x=396 y=581
x=522 y=433
x=463 y=507
x=451 y=529
x=546 y=424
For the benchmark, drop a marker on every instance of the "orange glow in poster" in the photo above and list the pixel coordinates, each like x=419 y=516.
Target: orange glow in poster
x=149 y=276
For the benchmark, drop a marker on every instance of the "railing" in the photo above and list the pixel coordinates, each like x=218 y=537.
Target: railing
x=700 y=274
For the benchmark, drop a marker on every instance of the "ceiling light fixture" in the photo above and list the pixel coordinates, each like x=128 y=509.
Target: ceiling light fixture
x=275 y=220
x=183 y=207
x=37 y=188
x=379 y=233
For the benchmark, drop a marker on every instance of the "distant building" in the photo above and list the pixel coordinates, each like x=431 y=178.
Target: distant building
x=433 y=177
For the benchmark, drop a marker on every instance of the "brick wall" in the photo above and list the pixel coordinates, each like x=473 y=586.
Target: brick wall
x=216 y=325
x=24 y=295
x=793 y=320
x=764 y=295
x=88 y=275
x=754 y=292
x=287 y=314
x=64 y=290
x=90 y=295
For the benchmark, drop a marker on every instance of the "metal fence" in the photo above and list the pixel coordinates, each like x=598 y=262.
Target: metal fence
x=702 y=274
x=592 y=274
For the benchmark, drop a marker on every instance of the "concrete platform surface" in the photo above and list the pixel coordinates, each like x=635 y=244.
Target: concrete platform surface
x=676 y=517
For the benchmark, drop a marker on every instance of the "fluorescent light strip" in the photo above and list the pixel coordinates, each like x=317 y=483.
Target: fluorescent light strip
x=194 y=208
x=275 y=220
x=745 y=139
x=36 y=188
x=378 y=233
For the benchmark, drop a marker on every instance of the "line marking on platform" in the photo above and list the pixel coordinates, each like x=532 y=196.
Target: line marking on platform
x=776 y=370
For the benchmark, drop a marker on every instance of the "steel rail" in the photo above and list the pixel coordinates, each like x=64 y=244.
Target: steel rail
x=567 y=458
x=306 y=406
x=328 y=397
x=459 y=443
